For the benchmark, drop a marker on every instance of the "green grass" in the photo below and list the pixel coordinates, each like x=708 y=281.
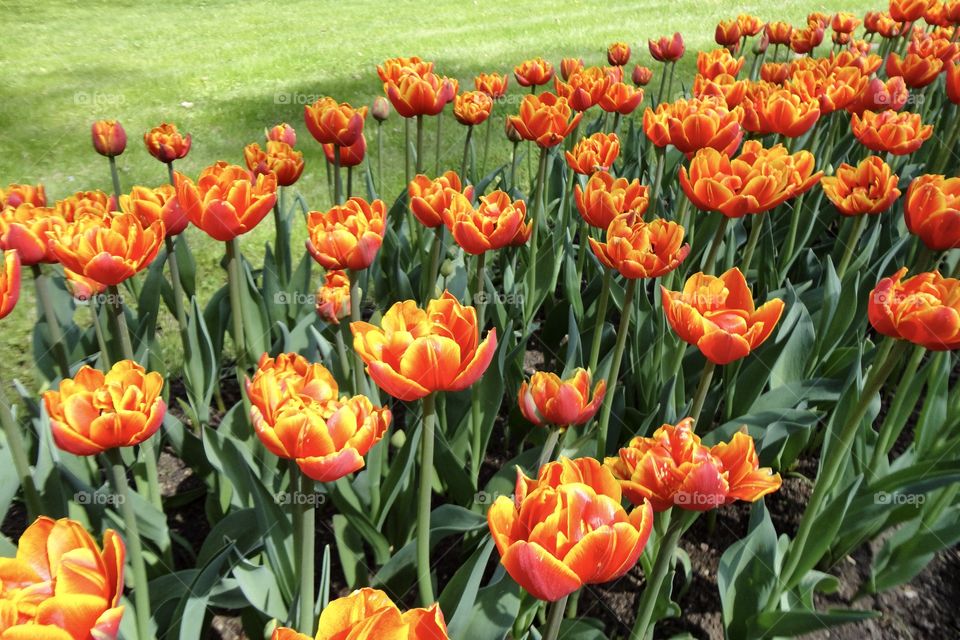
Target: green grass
x=224 y=74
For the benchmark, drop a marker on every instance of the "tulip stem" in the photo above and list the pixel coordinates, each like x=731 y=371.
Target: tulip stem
x=98 y=330
x=337 y=184
x=21 y=461
x=115 y=176
x=892 y=425
x=755 y=230
x=342 y=330
x=178 y=295
x=357 y=365
x=439 y=138
x=643 y=627
x=234 y=282
x=791 y=236
x=478 y=301
x=54 y=333
x=661 y=153
x=625 y=312
x=706 y=377
x=858 y=224
x=429 y=288
x=832 y=459
x=380 y=157
x=424 y=579
x=584 y=242
x=546 y=454
x=513 y=166
x=406 y=152
x=466 y=154
x=486 y=145
x=711 y=258
x=304 y=516
x=131 y=530
x=532 y=266
x=600 y=321
x=419 y=163
x=552 y=630
x=120 y=321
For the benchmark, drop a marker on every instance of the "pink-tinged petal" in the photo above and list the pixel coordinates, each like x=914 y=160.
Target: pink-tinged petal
x=541 y=574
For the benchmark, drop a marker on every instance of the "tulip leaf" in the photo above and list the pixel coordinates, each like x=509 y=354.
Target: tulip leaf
x=200 y=366
x=496 y=607
x=460 y=594
x=795 y=623
x=905 y=553
x=260 y=589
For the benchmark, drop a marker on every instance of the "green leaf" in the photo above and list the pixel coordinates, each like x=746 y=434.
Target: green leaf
x=260 y=589
x=795 y=623
x=460 y=594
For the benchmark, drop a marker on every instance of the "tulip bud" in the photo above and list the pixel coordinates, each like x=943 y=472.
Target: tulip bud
x=398 y=439
x=283 y=133
x=380 y=109
x=761 y=44
x=109 y=138
x=512 y=134
x=447 y=269
x=642 y=75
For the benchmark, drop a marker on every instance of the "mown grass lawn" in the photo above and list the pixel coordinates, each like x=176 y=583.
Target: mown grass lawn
x=225 y=72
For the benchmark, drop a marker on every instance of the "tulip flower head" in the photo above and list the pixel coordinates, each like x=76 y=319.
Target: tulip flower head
x=620 y=98
x=347 y=236
x=534 y=72
x=673 y=468
x=667 y=48
x=298 y=415
x=61 y=585
x=584 y=88
x=109 y=138
x=890 y=132
x=618 y=54
x=806 y=40
x=691 y=125
x=779 y=33
x=472 y=107
x=9 y=283
x=545 y=119
x=227 y=200
x=82 y=203
x=641 y=75
x=567 y=528
x=430 y=199
x=923 y=309
x=16 y=194
x=953 y=83
x=570 y=66
x=150 y=205
x=638 y=249
x=349 y=156
x=165 y=143
x=548 y=399
x=606 y=197
x=94 y=411
x=594 y=153
x=869 y=188
x=282 y=132
x=335 y=123
x=719 y=61
x=393 y=68
x=81 y=287
x=727 y=34
x=908 y=10
x=380 y=109
x=492 y=84
x=279 y=158
x=425 y=94
x=917 y=71
x=932 y=211
x=496 y=222
x=877 y=95
x=750 y=25
x=415 y=352
x=25 y=229
x=333 y=297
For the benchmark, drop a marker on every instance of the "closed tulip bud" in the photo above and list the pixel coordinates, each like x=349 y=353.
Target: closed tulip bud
x=890 y=132
x=415 y=352
x=534 y=72
x=492 y=84
x=420 y=95
x=497 y=222
x=447 y=268
x=762 y=44
x=570 y=66
x=380 y=110
x=727 y=33
x=279 y=158
x=594 y=153
x=667 y=48
x=472 y=107
x=641 y=75
x=282 y=132
x=227 y=200
x=923 y=309
x=17 y=194
x=908 y=10
x=818 y=20
x=109 y=138
x=150 y=205
x=869 y=188
x=430 y=199
x=331 y=122
x=61 y=585
x=351 y=156
x=779 y=32
x=750 y=25
x=165 y=143
x=618 y=54
x=94 y=411
x=24 y=229
x=9 y=283
x=606 y=197
x=333 y=297
x=347 y=236
x=547 y=399
x=932 y=211
x=638 y=249
x=673 y=468
x=511 y=131
x=545 y=119
x=953 y=83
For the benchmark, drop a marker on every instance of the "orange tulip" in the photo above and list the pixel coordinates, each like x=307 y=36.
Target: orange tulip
x=25 y=228
x=620 y=98
x=641 y=250
x=641 y=75
x=472 y=107
x=750 y=25
x=349 y=156
x=85 y=202
x=331 y=122
x=779 y=32
x=818 y=19
x=81 y=287
x=877 y=95
x=952 y=10
x=936 y=15
x=415 y=95
x=667 y=48
x=492 y=84
x=673 y=468
x=534 y=72
x=594 y=153
x=226 y=201
x=937 y=45
x=775 y=72
x=618 y=54
x=545 y=119
x=567 y=529
x=953 y=83
x=606 y=197
x=932 y=211
x=430 y=199
x=17 y=194
x=109 y=138
x=806 y=40
x=61 y=585
x=298 y=415
x=691 y=125
x=923 y=309
x=9 y=283
x=280 y=159
x=570 y=66
x=784 y=112
x=724 y=89
x=561 y=403
x=890 y=132
x=416 y=352
x=833 y=91
x=333 y=297
x=347 y=236
x=166 y=143
x=369 y=614
x=869 y=188
x=584 y=88
x=94 y=412
x=844 y=22
x=496 y=223
x=916 y=71
x=282 y=132
x=161 y=204
x=717 y=315
x=727 y=33
x=109 y=249
x=392 y=69
x=871 y=20
x=718 y=61
x=908 y=10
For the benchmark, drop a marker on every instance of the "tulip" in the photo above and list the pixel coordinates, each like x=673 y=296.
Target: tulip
x=779 y=33
x=620 y=98
x=952 y=10
x=109 y=138
x=870 y=188
x=61 y=585
x=570 y=66
x=472 y=107
x=279 y=158
x=492 y=84
x=351 y=156
x=641 y=75
x=890 y=132
x=548 y=399
x=782 y=111
x=877 y=95
x=718 y=61
x=923 y=309
x=81 y=287
x=724 y=89
x=727 y=34
x=618 y=54
x=936 y=15
x=775 y=72
x=496 y=223
x=380 y=109
x=347 y=236
x=750 y=25
x=393 y=69
x=594 y=153
x=667 y=49
x=545 y=119
x=150 y=205
x=606 y=197
x=908 y=10
x=844 y=22
x=85 y=202
x=717 y=314
x=533 y=73
x=917 y=72
x=934 y=45
x=226 y=200
x=673 y=468
x=94 y=412
x=25 y=228
x=806 y=40
x=641 y=250
x=557 y=536
x=9 y=283
x=430 y=199
x=336 y=123
x=282 y=132
x=691 y=125
x=17 y=194
x=165 y=143
x=932 y=211
x=584 y=88
x=333 y=297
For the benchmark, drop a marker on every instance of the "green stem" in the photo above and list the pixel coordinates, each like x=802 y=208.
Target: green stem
x=466 y=154
x=532 y=267
x=98 y=330
x=601 y=319
x=380 y=157
x=513 y=166
x=234 y=282
x=546 y=454
x=406 y=151
x=661 y=153
x=552 y=630
x=711 y=258
x=178 y=295
x=419 y=163
x=424 y=579
x=141 y=595
x=582 y=249
x=615 y=368
x=892 y=426
x=791 y=236
x=706 y=377
x=343 y=331
x=486 y=145
x=359 y=385
x=305 y=517
x=858 y=224
x=115 y=176
x=21 y=461
x=643 y=627
x=439 y=138
x=349 y=182
x=755 y=230
x=119 y=320
x=476 y=459
x=429 y=288
x=337 y=185
x=54 y=332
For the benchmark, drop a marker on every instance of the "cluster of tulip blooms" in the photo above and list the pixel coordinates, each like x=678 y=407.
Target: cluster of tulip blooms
x=747 y=146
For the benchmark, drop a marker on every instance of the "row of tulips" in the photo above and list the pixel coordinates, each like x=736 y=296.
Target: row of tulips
x=664 y=224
